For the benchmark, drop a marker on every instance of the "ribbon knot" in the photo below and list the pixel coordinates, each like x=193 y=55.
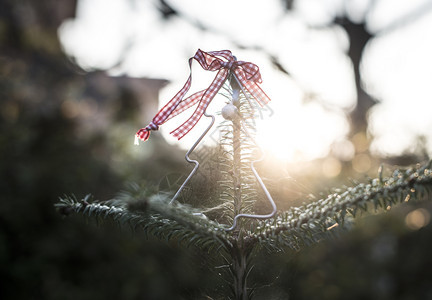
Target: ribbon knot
x=227 y=64
x=222 y=61
x=152 y=126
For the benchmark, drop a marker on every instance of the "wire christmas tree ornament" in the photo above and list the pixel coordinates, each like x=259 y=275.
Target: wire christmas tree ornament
x=244 y=78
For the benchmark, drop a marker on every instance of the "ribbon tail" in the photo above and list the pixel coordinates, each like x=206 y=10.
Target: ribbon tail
x=143 y=134
x=166 y=111
x=186 y=103
x=260 y=96
x=253 y=88
x=190 y=123
x=206 y=98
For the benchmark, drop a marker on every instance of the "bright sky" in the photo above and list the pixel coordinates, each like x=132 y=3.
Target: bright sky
x=397 y=66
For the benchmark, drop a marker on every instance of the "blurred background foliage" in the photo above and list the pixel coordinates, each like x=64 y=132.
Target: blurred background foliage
x=65 y=130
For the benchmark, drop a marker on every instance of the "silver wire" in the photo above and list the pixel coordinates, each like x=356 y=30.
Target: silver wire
x=192 y=160
x=258 y=178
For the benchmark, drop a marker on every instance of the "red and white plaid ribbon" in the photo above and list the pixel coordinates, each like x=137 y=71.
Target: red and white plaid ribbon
x=247 y=73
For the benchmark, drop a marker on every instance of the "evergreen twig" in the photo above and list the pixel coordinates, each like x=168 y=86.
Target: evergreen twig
x=237 y=193
x=313 y=222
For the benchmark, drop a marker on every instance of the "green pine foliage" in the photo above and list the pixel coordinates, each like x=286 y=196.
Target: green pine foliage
x=315 y=221
x=151 y=214
x=295 y=228
x=236 y=191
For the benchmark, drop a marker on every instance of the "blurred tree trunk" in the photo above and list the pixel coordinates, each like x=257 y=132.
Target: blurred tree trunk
x=359 y=37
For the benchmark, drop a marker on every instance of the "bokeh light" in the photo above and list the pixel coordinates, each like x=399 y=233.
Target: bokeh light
x=131 y=38
x=417 y=218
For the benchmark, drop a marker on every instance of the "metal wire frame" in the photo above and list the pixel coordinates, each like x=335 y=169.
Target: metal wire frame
x=192 y=160
x=252 y=165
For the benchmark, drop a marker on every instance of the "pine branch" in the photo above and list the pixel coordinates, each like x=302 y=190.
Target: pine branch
x=153 y=215
x=237 y=185
x=311 y=223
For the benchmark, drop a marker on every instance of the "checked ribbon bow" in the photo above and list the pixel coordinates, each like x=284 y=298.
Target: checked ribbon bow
x=224 y=62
